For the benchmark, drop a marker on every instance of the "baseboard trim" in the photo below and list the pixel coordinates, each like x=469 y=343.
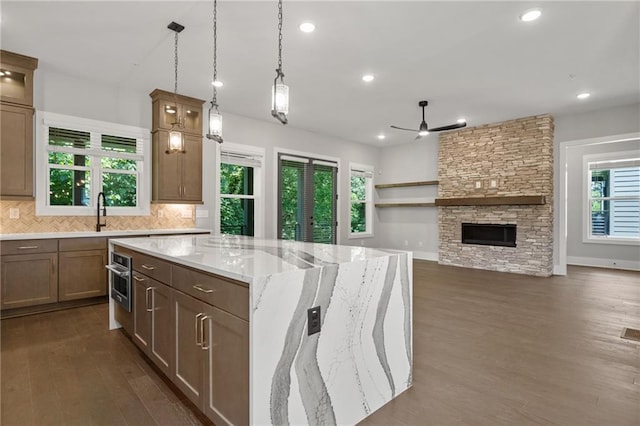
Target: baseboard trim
x=425 y=255
x=631 y=265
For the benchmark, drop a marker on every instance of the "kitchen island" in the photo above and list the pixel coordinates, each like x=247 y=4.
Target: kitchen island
x=359 y=360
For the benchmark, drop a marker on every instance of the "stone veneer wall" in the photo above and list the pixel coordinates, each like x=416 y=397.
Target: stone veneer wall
x=170 y=218
x=518 y=154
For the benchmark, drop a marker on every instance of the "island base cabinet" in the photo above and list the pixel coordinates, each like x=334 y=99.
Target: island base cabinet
x=212 y=359
x=152 y=320
x=82 y=274
x=226 y=368
x=28 y=280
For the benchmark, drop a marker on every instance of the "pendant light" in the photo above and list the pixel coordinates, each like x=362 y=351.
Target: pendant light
x=280 y=91
x=215 y=119
x=176 y=138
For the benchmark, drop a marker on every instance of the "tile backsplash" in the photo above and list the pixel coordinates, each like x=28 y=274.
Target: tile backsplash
x=163 y=216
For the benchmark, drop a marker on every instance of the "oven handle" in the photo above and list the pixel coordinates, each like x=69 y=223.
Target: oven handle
x=118 y=272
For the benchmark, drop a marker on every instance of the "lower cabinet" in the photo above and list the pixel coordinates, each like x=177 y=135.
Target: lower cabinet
x=212 y=359
x=29 y=279
x=82 y=274
x=152 y=320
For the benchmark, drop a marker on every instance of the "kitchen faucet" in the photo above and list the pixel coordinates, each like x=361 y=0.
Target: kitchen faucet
x=104 y=212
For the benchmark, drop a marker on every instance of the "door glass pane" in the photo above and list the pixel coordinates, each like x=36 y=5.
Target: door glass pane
x=237 y=216
x=323 y=205
x=69 y=187
x=292 y=200
x=120 y=189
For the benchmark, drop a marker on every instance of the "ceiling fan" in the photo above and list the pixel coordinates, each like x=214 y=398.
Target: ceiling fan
x=424 y=129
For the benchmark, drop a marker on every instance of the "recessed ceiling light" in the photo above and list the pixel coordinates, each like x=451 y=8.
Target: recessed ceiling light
x=381 y=136
x=217 y=83
x=584 y=95
x=462 y=120
x=530 y=15
x=307 y=27
x=367 y=78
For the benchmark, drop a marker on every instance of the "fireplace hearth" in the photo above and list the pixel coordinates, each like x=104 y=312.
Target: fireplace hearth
x=489 y=234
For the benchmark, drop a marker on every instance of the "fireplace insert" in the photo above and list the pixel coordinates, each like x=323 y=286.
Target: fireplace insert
x=489 y=234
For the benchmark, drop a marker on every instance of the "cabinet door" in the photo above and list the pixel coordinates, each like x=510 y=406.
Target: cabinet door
x=189 y=357
x=166 y=171
x=192 y=169
x=16 y=151
x=141 y=311
x=161 y=327
x=226 y=368
x=29 y=279
x=191 y=116
x=82 y=274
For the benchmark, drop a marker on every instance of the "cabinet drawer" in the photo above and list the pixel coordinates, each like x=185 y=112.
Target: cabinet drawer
x=152 y=267
x=28 y=246
x=226 y=294
x=77 y=244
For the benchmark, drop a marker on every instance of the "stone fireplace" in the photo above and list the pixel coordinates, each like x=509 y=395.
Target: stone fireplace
x=498 y=174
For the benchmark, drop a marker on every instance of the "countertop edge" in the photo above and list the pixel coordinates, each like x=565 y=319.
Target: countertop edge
x=108 y=234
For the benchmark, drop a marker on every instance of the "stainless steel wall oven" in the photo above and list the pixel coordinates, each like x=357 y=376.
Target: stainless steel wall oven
x=120 y=275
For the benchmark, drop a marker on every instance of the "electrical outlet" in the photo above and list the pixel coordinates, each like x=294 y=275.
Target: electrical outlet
x=313 y=320
x=160 y=213
x=493 y=183
x=14 y=213
x=478 y=184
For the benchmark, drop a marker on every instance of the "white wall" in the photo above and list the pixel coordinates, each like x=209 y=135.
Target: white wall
x=65 y=94
x=576 y=127
x=415 y=226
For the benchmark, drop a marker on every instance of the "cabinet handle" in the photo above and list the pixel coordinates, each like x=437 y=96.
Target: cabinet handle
x=148 y=267
x=198 y=341
x=205 y=346
x=27 y=247
x=204 y=290
x=146 y=299
x=137 y=278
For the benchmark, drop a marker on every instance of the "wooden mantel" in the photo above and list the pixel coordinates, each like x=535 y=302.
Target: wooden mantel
x=513 y=200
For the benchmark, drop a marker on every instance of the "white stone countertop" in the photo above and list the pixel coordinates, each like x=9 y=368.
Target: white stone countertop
x=246 y=258
x=115 y=233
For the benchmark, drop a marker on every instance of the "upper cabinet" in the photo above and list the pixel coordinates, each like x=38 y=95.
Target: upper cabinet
x=169 y=109
x=177 y=175
x=16 y=78
x=16 y=135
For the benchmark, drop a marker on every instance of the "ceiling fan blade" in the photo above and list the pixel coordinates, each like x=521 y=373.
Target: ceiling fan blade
x=402 y=128
x=449 y=127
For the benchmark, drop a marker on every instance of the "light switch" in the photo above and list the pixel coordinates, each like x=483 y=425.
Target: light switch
x=14 y=213
x=478 y=184
x=494 y=183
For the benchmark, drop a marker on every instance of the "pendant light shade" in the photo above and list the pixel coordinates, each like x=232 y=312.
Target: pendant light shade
x=176 y=138
x=215 y=119
x=279 y=90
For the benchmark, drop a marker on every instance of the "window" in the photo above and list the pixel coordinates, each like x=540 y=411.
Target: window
x=361 y=200
x=240 y=177
x=79 y=158
x=613 y=200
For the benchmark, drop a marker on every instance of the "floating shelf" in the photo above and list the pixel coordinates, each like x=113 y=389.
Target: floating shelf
x=406 y=205
x=402 y=184
x=514 y=200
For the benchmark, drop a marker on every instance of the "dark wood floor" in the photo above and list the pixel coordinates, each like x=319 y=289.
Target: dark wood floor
x=489 y=349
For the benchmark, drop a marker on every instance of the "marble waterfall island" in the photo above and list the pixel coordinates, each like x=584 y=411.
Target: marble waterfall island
x=362 y=357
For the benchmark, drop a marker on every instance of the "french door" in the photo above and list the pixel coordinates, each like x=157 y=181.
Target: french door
x=307 y=195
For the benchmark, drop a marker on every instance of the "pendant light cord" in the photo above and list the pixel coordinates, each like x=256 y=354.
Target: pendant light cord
x=214 y=101
x=175 y=86
x=279 y=70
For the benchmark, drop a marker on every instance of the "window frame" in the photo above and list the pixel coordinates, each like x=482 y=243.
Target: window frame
x=587 y=236
x=366 y=169
x=45 y=120
x=257 y=154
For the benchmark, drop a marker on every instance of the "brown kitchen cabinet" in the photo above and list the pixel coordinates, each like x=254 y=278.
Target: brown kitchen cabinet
x=152 y=320
x=212 y=359
x=16 y=134
x=177 y=176
x=167 y=107
x=29 y=279
x=82 y=273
